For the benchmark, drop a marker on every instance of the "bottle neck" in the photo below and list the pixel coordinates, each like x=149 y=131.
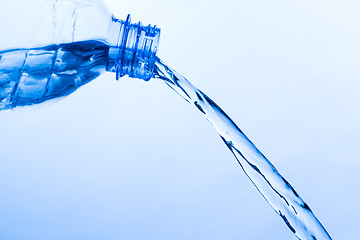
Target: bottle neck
x=135 y=53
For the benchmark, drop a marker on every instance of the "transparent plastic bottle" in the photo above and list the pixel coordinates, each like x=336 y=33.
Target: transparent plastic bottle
x=49 y=48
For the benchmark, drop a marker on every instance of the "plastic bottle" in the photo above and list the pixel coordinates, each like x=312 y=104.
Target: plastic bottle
x=49 y=48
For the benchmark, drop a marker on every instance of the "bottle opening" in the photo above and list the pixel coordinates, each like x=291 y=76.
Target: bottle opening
x=135 y=54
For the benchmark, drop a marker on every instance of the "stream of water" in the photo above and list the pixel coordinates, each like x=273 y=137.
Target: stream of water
x=281 y=196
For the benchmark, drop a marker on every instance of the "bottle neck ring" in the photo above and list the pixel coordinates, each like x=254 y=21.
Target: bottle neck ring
x=135 y=53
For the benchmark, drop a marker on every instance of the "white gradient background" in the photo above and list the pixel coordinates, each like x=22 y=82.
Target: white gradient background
x=132 y=160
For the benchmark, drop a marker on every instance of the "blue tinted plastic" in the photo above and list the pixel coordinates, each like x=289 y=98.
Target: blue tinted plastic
x=50 y=48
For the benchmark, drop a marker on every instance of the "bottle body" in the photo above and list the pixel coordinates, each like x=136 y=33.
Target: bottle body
x=72 y=43
x=32 y=76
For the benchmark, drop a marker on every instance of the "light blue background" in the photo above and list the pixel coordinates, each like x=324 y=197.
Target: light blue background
x=132 y=160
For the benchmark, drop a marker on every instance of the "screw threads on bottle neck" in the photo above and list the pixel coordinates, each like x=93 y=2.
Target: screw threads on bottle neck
x=135 y=53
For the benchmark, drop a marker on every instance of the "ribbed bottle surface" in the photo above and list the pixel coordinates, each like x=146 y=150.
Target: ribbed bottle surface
x=69 y=44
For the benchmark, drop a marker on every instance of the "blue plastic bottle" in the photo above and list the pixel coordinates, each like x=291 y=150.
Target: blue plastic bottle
x=59 y=45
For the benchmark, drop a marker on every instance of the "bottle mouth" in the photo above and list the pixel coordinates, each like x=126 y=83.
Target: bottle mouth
x=136 y=50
